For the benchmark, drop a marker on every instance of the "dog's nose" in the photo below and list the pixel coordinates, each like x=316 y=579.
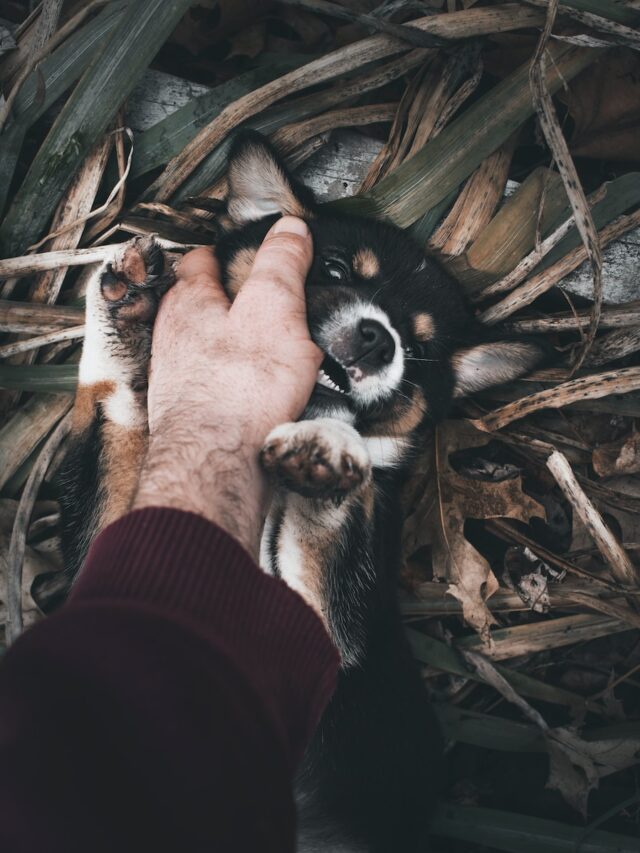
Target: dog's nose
x=374 y=346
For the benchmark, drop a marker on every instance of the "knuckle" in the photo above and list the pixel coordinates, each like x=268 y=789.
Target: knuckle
x=289 y=249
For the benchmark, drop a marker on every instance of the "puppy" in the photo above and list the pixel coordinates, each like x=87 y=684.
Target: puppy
x=399 y=347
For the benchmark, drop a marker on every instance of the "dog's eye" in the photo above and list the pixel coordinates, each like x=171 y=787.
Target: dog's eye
x=416 y=350
x=336 y=269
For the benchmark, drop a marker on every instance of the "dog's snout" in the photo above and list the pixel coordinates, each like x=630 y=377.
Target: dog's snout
x=374 y=346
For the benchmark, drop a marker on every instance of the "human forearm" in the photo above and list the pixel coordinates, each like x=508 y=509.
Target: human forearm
x=211 y=470
x=175 y=665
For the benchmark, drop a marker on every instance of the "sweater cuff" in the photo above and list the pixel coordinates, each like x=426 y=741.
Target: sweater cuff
x=193 y=571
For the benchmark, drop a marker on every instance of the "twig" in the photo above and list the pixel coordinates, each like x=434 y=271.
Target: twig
x=471 y=22
x=21 y=523
x=99 y=210
x=124 y=167
x=506 y=530
x=613 y=553
x=573 y=391
x=620 y=33
x=613 y=346
x=32 y=317
x=566 y=167
x=29 y=264
x=543 y=281
x=612 y=317
x=77 y=201
x=522 y=270
x=71 y=334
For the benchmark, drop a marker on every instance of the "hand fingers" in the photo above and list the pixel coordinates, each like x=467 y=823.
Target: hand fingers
x=279 y=271
x=197 y=289
x=200 y=267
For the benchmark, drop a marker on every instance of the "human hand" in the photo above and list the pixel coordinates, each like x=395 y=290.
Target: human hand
x=222 y=376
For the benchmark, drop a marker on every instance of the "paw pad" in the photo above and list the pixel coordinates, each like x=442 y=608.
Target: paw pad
x=133 y=285
x=314 y=464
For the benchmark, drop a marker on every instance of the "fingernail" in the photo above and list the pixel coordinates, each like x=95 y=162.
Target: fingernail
x=291 y=225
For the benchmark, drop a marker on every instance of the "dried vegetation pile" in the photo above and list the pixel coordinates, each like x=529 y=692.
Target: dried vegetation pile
x=522 y=540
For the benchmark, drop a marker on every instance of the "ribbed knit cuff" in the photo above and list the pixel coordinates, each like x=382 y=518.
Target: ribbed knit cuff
x=197 y=574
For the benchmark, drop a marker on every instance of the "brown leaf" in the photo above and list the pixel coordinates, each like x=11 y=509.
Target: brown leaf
x=446 y=500
x=604 y=103
x=575 y=765
x=618 y=457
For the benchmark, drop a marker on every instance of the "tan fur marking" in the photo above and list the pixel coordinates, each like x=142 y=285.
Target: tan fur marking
x=366 y=264
x=238 y=270
x=404 y=418
x=123 y=454
x=256 y=169
x=86 y=402
x=368 y=504
x=423 y=326
x=133 y=265
x=113 y=290
x=313 y=549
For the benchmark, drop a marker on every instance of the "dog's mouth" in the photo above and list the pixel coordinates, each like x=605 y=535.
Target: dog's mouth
x=332 y=377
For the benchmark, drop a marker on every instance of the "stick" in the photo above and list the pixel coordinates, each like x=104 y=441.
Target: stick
x=522 y=270
x=545 y=280
x=471 y=22
x=575 y=390
x=613 y=553
x=612 y=317
x=566 y=167
x=71 y=334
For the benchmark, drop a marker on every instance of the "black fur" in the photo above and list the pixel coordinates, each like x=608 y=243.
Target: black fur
x=375 y=765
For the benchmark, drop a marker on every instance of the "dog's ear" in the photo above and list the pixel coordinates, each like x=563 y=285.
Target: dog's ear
x=487 y=364
x=259 y=183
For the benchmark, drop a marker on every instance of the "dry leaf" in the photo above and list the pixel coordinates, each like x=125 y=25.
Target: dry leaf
x=575 y=765
x=618 y=457
x=604 y=103
x=447 y=499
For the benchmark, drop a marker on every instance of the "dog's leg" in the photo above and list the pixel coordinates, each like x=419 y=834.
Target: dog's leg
x=109 y=426
x=318 y=537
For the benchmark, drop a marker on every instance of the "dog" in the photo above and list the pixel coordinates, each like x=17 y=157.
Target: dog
x=400 y=346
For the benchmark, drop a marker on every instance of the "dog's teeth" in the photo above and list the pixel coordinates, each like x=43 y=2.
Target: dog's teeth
x=324 y=379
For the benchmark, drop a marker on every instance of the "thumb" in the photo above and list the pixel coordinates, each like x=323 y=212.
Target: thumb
x=280 y=269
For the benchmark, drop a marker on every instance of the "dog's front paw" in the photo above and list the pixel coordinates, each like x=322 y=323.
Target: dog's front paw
x=323 y=458
x=132 y=285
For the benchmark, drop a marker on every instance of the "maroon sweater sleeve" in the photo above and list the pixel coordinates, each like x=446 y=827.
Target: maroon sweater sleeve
x=166 y=705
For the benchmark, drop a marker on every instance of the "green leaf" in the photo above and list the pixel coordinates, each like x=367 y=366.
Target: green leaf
x=518 y=833
x=46 y=378
x=160 y=143
x=87 y=114
x=622 y=194
x=492 y=732
x=423 y=181
x=41 y=89
x=614 y=10
x=437 y=654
